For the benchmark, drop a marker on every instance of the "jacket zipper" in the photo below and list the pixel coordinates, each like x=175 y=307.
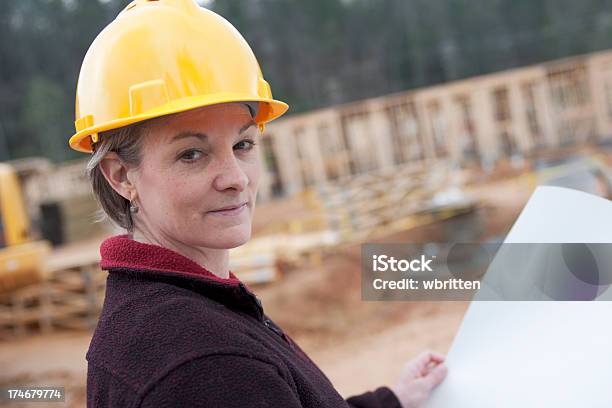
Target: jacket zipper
x=270 y=324
x=267 y=322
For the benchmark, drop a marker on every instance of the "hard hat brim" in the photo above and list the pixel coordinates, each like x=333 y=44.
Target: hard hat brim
x=269 y=110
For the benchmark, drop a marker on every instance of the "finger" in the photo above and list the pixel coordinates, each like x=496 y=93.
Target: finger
x=435 y=376
x=427 y=360
x=421 y=361
x=437 y=357
x=429 y=355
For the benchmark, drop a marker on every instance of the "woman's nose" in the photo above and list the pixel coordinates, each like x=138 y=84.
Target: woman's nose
x=230 y=174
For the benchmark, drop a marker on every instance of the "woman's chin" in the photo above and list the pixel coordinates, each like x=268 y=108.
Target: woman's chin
x=227 y=239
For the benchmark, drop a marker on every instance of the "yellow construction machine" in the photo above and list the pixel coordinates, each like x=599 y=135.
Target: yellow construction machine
x=21 y=257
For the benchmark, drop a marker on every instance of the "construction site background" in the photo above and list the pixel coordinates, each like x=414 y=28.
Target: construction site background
x=450 y=162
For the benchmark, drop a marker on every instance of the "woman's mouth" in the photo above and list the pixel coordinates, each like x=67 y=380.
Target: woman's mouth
x=230 y=211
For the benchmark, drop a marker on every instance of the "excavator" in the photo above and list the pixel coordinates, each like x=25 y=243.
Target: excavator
x=21 y=256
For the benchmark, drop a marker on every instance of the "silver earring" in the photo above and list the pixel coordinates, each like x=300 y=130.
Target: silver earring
x=133 y=208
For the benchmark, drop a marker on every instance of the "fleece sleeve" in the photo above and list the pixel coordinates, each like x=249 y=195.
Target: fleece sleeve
x=382 y=397
x=221 y=381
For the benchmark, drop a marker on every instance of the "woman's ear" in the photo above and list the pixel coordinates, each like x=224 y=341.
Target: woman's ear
x=116 y=173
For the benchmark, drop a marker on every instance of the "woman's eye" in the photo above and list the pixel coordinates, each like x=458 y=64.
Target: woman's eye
x=246 y=144
x=191 y=155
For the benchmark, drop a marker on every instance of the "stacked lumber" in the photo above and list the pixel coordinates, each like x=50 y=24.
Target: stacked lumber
x=21 y=311
x=255 y=268
x=390 y=200
x=70 y=297
x=74 y=297
x=261 y=260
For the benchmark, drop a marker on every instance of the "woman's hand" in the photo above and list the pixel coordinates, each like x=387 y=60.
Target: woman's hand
x=419 y=376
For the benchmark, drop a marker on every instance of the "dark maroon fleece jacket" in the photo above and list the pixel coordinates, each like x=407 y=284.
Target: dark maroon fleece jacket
x=172 y=334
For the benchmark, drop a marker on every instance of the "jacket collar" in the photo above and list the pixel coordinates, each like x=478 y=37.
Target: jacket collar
x=120 y=253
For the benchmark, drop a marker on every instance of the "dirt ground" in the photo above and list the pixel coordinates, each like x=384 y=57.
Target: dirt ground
x=359 y=345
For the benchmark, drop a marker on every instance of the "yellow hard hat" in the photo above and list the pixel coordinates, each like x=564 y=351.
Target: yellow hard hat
x=161 y=57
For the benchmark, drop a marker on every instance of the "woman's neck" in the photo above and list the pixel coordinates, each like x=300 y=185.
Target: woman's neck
x=215 y=261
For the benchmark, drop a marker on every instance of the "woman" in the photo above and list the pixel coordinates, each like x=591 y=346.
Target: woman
x=171 y=103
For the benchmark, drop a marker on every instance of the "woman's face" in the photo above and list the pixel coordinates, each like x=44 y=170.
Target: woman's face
x=199 y=177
